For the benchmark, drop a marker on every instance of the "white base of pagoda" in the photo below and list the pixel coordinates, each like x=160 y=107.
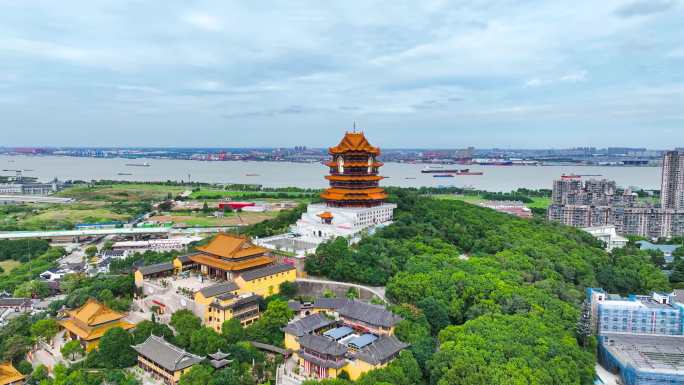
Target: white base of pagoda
x=348 y=222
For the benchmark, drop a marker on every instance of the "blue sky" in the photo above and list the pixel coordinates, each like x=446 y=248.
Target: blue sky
x=484 y=73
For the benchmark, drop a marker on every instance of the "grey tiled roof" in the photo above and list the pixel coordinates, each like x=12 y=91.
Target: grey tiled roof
x=322 y=345
x=221 y=288
x=294 y=305
x=370 y=314
x=265 y=271
x=167 y=356
x=380 y=351
x=13 y=302
x=308 y=324
x=186 y=258
x=158 y=268
x=331 y=303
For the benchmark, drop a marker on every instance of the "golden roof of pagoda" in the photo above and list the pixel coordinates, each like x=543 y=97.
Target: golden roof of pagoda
x=325 y=215
x=368 y=178
x=231 y=246
x=375 y=193
x=354 y=164
x=354 y=142
x=93 y=313
x=9 y=374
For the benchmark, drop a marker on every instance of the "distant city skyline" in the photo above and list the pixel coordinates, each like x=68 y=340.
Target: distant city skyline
x=434 y=74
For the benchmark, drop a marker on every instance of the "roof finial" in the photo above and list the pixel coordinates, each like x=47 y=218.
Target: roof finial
x=355 y=126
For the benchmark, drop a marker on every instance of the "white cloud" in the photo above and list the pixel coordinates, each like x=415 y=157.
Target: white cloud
x=574 y=77
x=203 y=21
x=569 y=77
x=676 y=53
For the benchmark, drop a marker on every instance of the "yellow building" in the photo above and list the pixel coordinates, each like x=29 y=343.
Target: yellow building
x=227 y=256
x=91 y=321
x=321 y=357
x=9 y=375
x=222 y=302
x=342 y=336
x=244 y=307
x=266 y=281
x=163 y=360
x=311 y=324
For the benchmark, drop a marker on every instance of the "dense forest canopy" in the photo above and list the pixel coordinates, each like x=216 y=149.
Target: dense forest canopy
x=499 y=295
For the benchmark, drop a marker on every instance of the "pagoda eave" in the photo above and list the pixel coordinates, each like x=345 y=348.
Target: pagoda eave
x=348 y=178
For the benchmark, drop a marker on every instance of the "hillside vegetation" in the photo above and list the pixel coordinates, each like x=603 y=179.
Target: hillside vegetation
x=499 y=295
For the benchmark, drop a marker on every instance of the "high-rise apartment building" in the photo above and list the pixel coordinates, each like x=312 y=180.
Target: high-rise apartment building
x=672 y=186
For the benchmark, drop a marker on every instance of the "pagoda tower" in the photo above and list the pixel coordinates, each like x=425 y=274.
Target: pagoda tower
x=354 y=203
x=354 y=179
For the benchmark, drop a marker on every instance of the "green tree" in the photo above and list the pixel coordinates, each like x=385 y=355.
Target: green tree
x=44 y=329
x=198 y=375
x=185 y=323
x=116 y=346
x=288 y=289
x=39 y=374
x=91 y=251
x=146 y=328
x=232 y=331
x=32 y=289
x=16 y=347
x=205 y=340
x=72 y=349
x=268 y=328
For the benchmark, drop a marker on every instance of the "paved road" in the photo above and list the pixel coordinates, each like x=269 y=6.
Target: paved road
x=117 y=231
x=377 y=291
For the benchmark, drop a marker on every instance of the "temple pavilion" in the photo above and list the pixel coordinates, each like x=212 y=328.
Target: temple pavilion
x=88 y=323
x=354 y=179
x=354 y=202
x=227 y=256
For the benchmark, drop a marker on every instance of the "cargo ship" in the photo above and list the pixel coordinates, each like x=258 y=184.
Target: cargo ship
x=138 y=164
x=443 y=176
x=437 y=170
x=466 y=171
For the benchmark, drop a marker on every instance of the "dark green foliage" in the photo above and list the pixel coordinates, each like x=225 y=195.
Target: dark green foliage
x=288 y=289
x=24 y=367
x=31 y=269
x=267 y=328
x=677 y=277
x=115 y=291
x=114 y=350
x=510 y=349
x=512 y=284
x=205 y=340
x=232 y=331
x=185 y=323
x=198 y=375
x=146 y=328
x=277 y=225
x=631 y=271
x=127 y=265
x=22 y=250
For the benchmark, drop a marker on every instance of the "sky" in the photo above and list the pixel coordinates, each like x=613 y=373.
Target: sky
x=412 y=74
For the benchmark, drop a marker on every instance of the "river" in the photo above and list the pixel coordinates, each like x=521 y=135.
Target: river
x=282 y=174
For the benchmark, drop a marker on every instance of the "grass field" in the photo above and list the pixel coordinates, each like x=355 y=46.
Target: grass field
x=130 y=192
x=537 y=202
x=57 y=217
x=261 y=195
x=74 y=215
x=9 y=265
